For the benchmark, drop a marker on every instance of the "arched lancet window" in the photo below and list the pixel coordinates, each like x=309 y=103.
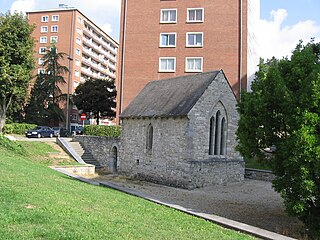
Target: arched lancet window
x=149 y=137
x=115 y=158
x=223 y=137
x=217 y=134
x=211 y=135
x=218 y=131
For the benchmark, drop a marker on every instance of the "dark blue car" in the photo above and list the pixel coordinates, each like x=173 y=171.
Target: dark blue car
x=40 y=131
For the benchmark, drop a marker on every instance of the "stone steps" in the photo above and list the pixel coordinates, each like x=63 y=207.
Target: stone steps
x=86 y=156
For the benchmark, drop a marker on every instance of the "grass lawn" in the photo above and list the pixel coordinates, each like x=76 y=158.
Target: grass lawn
x=252 y=163
x=38 y=203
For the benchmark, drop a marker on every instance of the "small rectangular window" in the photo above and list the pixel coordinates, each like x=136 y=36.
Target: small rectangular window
x=75 y=84
x=78 y=41
x=77 y=63
x=194 y=39
x=41 y=71
x=54 y=28
x=167 y=64
x=54 y=39
x=195 y=15
x=40 y=61
x=168 y=16
x=76 y=73
x=194 y=64
x=42 y=50
x=44 y=29
x=44 y=18
x=78 y=52
x=167 y=39
x=79 y=30
x=55 y=18
x=80 y=20
x=43 y=39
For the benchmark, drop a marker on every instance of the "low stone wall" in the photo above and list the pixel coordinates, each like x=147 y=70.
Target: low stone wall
x=257 y=174
x=102 y=149
x=83 y=170
x=193 y=174
x=216 y=171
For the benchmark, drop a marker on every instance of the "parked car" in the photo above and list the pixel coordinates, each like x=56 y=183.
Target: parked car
x=40 y=131
x=77 y=130
x=56 y=131
x=64 y=132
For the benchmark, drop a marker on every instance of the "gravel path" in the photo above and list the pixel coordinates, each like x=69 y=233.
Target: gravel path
x=252 y=202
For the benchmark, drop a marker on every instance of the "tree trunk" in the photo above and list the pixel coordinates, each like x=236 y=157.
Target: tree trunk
x=4 y=105
x=2 y=118
x=98 y=118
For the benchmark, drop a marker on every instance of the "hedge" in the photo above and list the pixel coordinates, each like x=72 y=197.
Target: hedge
x=99 y=130
x=17 y=128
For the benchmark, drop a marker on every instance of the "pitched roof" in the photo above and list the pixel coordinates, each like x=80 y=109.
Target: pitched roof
x=169 y=97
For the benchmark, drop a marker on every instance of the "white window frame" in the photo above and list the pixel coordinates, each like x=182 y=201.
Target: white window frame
x=169 y=9
x=75 y=84
x=167 y=70
x=44 y=29
x=78 y=41
x=42 y=48
x=41 y=70
x=45 y=18
x=194 y=70
x=77 y=61
x=43 y=40
x=55 y=18
x=53 y=27
x=194 y=33
x=79 y=30
x=195 y=21
x=79 y=20
x=78 y=52
x=40 y=61
x=168 y=46
x=53 y=37
x=76 y=73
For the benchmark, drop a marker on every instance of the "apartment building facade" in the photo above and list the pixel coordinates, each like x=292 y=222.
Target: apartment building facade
x=91 y=53
x=167 y=38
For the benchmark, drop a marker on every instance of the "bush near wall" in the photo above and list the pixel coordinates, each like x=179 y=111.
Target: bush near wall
x=99 y=130
x=17 y=128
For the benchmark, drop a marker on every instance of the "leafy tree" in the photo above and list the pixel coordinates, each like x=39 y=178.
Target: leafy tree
x=16 y=60
x=282 y=113
x=46 y=95
x=96 y=96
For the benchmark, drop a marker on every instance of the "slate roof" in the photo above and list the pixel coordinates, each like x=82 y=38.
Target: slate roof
x=169 y=97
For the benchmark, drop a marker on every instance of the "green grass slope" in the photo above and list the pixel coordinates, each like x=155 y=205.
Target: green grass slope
x=39 y=203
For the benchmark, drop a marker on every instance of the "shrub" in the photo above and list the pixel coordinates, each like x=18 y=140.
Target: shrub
x=17 y=128
x=98 y=130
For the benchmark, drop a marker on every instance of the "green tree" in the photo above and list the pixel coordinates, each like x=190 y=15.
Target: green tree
x=283 y=113
x=16 y=61
x=96 y=96
x=43 y=107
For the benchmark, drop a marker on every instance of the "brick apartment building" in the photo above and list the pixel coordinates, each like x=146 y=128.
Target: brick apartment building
x=92 y=52
x=166 y=38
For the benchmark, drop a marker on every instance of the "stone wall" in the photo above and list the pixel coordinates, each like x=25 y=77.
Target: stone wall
x=167 y=161
x=102 y=149
x=257 y=174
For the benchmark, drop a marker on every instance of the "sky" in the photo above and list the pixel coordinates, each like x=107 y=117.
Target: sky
x=282 y=22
